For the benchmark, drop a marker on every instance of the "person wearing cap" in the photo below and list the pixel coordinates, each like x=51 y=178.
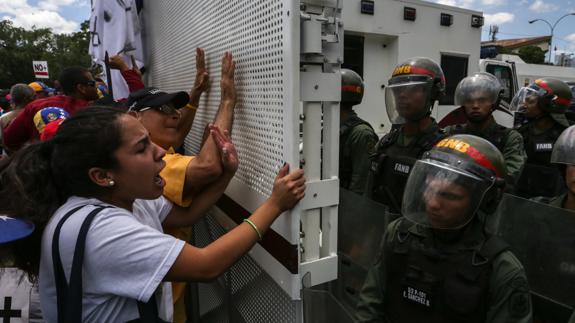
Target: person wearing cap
x=168 y=117
x=480 y=96
x=438 y=263
x=15 y=285
x=79 y=89
x=356 y=136
x=41 y=89
x=413 y=89
x=543 y=103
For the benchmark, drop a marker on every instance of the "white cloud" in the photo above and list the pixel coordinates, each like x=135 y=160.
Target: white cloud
x=44 y=19
x=14 y=7
x=493 y=2
x=541 y=6
x=53 y=5
x=459 y=3
x=499 y=18
x=452 y=3
x=570 y=40
x=45 y=15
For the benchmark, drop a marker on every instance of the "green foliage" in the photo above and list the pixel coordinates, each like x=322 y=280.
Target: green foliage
x=532 y=55
x=19 y=47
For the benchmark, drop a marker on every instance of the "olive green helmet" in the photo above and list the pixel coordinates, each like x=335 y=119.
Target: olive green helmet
x=460 y=175
x=553 y=97
x=351 y=87
x=413 y=88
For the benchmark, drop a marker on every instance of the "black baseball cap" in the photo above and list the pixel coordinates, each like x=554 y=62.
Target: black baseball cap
x=154 y=97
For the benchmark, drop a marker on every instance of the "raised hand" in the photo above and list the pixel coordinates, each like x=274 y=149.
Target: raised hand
x=135 y=66
x=288 y=188
x=227 y=83
x=202 y=81
x=227 y=149
x=118 y=63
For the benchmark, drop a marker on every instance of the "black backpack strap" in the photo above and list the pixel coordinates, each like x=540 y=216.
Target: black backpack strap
x=60 y=277
x=74 y=301
x=69 y=296
x=148 y=311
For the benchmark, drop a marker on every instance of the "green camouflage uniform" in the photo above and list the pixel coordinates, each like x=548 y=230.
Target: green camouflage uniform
x=508 y=141
x=508 y=298
x=357 y=142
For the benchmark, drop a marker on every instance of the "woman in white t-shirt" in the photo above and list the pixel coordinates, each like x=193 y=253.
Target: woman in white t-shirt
x=102 y=167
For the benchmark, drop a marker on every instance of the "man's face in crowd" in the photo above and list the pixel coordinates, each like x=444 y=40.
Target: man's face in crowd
x=411 y=100
x=478 y=107
x=531 y=104
x=447 y=203
x=570 y=178
x=88 y=88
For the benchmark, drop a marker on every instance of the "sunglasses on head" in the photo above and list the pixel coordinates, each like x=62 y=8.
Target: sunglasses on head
x=90 y=83
x=166 y=109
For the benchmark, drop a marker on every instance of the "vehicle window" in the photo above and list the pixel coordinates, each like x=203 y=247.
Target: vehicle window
x=503 y=73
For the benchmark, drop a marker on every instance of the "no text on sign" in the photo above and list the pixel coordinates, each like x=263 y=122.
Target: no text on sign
x=40 y=69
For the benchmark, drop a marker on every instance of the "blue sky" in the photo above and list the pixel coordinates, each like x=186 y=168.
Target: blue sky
x=511 y=16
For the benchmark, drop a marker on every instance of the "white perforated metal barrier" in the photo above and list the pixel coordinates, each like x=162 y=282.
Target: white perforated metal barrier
x=274 y=98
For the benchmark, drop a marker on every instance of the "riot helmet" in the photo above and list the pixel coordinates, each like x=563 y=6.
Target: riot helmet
x=551 y=96
x=460 y=175
x=412 y=90
x=564 y=148
x=478 y=90
x=352 y=87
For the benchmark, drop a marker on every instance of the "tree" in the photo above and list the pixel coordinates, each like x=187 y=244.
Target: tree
x=19 y=47
x=532 y=55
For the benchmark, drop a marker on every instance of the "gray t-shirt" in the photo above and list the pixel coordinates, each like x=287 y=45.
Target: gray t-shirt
x=126 y=258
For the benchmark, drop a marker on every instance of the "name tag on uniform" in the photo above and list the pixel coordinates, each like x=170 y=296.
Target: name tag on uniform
x=401 y=168
x=416 y=296
x=544 y=146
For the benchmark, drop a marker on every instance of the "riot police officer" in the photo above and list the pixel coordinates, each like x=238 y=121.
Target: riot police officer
x=563 y=156
x=412 y=91
x=356 y=136
x=543 y=104
x=437 y=262
x=480 y=96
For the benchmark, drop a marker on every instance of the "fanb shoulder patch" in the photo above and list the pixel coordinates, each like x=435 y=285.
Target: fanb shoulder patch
x=519 y=301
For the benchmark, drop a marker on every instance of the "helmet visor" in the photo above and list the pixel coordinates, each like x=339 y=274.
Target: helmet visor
x=480 y=90
x=406 y=98
x=526 y=95
x=440 y=196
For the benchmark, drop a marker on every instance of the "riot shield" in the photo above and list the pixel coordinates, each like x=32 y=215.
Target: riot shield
x=361 y=225
x=539 y=180
x=543 y=239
